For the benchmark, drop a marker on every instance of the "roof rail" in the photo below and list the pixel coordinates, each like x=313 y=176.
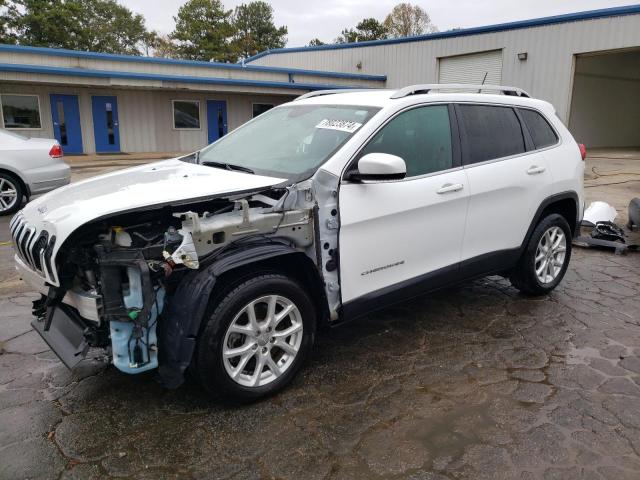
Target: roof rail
x=429 y=87
x=321 y=93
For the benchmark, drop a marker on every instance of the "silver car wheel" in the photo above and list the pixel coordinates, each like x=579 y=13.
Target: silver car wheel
x=8 y=194
x=262 y=341
x=550 y=255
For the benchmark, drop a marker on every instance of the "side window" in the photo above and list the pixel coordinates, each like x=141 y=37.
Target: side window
x=491 y=132
x=421 y=137
x=540 y=130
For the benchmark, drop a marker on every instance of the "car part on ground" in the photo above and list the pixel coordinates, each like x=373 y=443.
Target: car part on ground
x=598 y=212
x=608 y=231
x=606 y=235
x=634 y=214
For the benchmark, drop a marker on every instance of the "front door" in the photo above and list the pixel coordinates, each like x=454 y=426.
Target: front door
x=66 y=122
x=216 y=119
x=105 y=123
x=398 y=236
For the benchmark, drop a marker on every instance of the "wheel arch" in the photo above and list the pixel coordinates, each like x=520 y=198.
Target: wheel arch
x=198 y=290
x=564 y=204
x=16 y=175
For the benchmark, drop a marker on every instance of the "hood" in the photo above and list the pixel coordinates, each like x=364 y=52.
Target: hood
x=62 y=211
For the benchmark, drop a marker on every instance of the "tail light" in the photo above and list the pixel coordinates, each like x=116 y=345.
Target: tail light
x=583 y=151
x=56 y=151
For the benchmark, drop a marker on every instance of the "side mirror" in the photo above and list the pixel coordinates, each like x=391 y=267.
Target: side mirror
x=378 y=167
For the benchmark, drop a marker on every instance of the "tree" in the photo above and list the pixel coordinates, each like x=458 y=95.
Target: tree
x=158 y=45
x=204 y=31
x=347 y=36
x=96 y=25
x=371 y=29
x=406 y=20
x=255 y=30
x=316 y=42
x=164 y=47
x=367 y=29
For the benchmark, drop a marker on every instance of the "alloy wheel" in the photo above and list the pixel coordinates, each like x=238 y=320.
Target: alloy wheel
x=550 y=255
x=262 y=341
x=8 y=194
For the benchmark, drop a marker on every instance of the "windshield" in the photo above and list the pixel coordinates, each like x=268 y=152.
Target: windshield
x=290 y=141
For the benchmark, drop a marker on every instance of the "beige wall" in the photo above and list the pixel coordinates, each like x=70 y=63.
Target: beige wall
x=145 y=117
x=546 y=74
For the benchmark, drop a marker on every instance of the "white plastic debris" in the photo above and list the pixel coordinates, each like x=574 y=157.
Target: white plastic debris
x=599 y=212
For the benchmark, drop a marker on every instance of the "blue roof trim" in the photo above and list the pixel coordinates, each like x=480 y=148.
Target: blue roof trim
x=83 y=72
x=61 y=52
x=501 y=27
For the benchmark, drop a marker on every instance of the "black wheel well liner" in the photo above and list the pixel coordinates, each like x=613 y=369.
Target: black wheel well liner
x=25 y=187
x=565 y=204
x=198 y=290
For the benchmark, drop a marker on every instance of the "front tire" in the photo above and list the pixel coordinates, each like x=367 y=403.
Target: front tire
x=546 y=257
x=11 y=194
x=256 y=339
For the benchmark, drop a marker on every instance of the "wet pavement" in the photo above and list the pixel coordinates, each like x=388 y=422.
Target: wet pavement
x=472 y=382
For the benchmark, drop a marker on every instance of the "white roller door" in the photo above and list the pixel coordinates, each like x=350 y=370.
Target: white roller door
x=472 y=68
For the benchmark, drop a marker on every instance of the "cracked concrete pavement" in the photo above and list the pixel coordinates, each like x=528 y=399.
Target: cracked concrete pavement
x=471 y=382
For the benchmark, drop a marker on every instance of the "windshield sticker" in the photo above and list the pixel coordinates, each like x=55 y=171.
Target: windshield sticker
x=342 y=125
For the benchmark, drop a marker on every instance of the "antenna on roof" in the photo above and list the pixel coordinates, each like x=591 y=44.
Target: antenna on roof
x=483 y=80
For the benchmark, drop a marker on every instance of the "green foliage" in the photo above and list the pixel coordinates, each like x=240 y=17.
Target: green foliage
x=256 y=30
x=204 y=31
x=315 y=42
x=367 y=29
x=96 y=25
x=371 y=29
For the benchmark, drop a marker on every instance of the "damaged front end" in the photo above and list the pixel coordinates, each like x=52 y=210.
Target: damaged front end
x=138 y=284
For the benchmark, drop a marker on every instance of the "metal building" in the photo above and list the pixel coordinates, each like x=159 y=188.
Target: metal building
x=94 y=102
x=587 y=64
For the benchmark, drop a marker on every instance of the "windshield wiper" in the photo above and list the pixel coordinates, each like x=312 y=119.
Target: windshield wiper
x=227 y=166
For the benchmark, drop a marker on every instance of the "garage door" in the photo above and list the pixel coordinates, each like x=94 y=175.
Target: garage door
x=483 y=67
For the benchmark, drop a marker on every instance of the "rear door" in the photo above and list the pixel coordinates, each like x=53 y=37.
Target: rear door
x=508 y=180
x=395 y=235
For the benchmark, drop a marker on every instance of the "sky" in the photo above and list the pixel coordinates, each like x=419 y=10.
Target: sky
x=325 y=19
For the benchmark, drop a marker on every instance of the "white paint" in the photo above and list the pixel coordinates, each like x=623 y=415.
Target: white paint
x=64 y=210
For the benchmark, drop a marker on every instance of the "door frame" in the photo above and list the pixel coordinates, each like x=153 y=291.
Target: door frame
x=53 y=98
x=116 y=121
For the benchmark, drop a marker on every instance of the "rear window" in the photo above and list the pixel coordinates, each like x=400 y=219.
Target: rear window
x=540 y=130
x=490 y=132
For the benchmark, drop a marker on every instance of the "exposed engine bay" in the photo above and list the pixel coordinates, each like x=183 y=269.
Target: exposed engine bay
x=118 y=275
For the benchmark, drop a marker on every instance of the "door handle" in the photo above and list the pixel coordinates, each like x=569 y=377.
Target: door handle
x=534 y=169
x=450 y=187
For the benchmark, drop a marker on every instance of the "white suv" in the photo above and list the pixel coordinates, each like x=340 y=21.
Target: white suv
x=317 y=211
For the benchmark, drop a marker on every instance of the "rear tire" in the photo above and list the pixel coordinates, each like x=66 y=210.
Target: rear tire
x=11 y=194
x=546 y=257
x=246 y=356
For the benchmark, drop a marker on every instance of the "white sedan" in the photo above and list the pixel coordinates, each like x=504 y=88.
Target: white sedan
x=28 y=166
